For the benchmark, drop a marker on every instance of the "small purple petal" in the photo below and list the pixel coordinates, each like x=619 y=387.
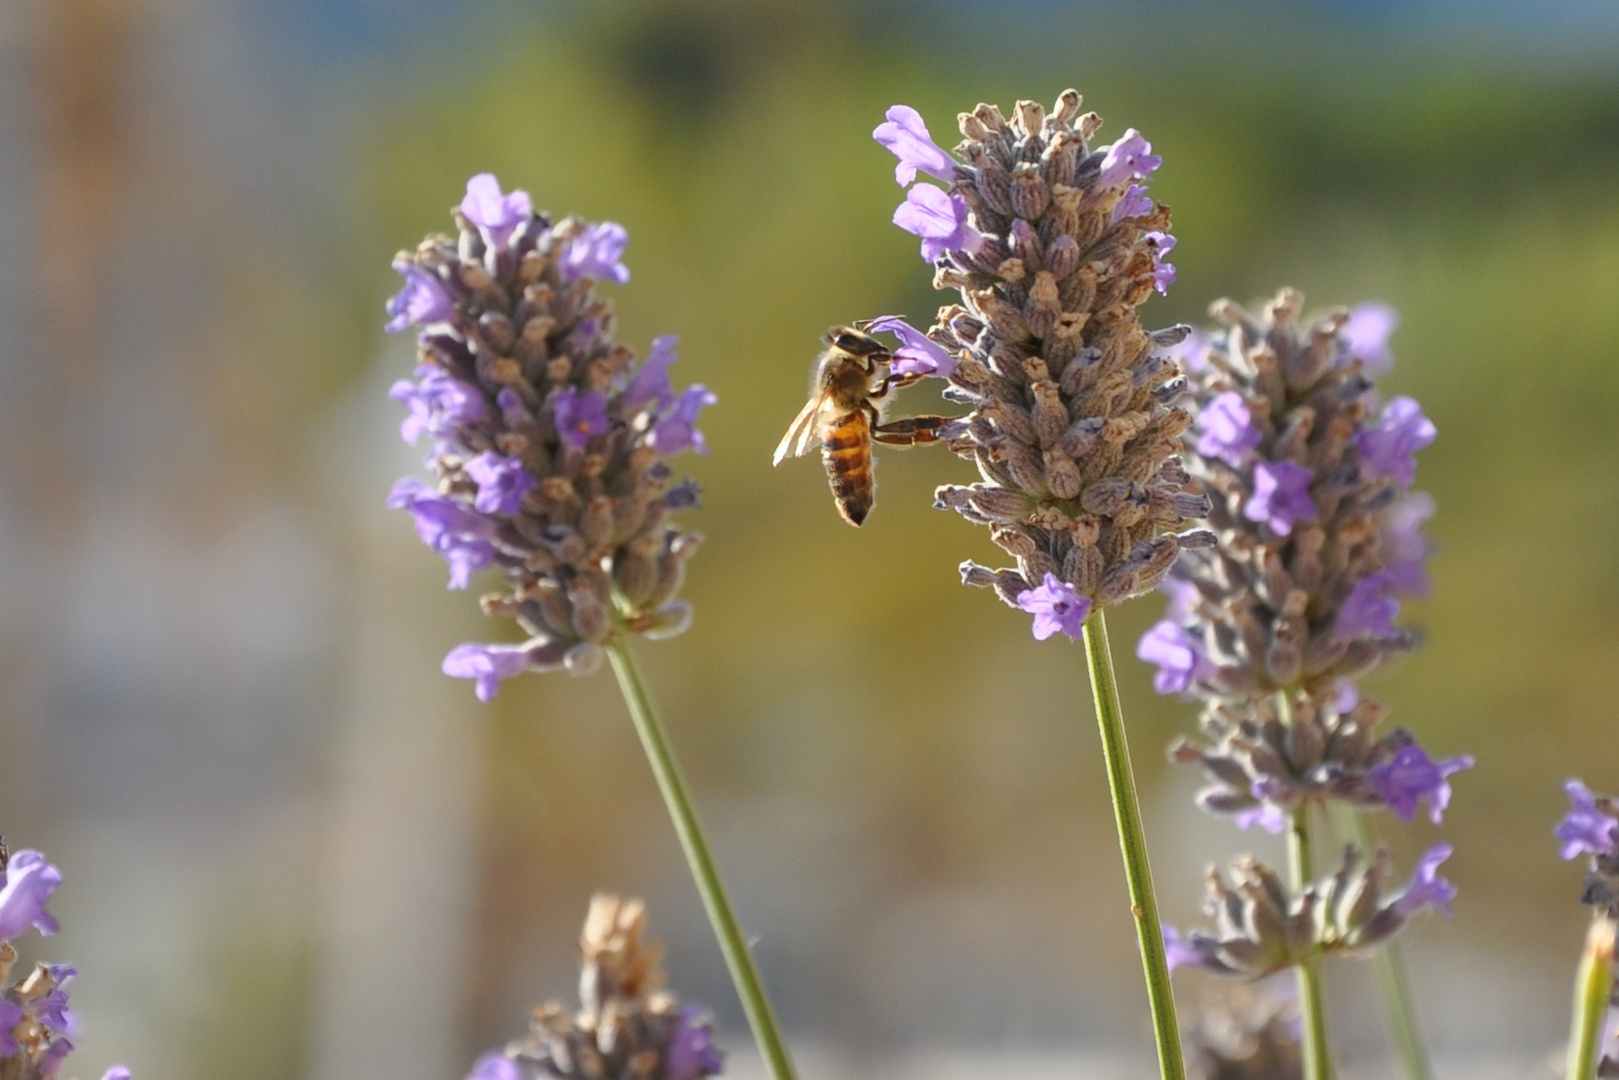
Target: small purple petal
x=597 y=252
x=1180 y=661
x=117 y=1072
x=1131 y=158
x=1411 y=777
x=1055 y=606
x=1281 y=496
x=423 y=300
x=1405 y=548
x=1366 y=335
x=1178 y=951
x=1427 y=888
x=678 y=430
x=579 y=417
x=650 y=383
x=1134 y=203
x=1268 y=816
x=439 y=405
x=1388 y=449
x=940 y=219
x=1368 y=611
x=495 y=1066
x=11 y=1014
x=455 y=531
x=1586 y=830
x=919 y=353
x=512 y=408
x=488 y=664
x=29 y=883
x=691 y=1052
x=51 y=1061
x=501 y=483
x=907 y=137
x=495 y=215
x=1345 y=697
x=1183 y=598
x=1228 y=429
x=1163 y=274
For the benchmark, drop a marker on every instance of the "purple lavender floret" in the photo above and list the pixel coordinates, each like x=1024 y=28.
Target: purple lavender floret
x=1406 y=548
x=1587 y=829
x=906 y=135
x=1389 y=448
x=1411 y=777
x=597 y=252
x=691 y=1052
x=1131 y=158
x=501 y=483
x=423 y=300
x=940 y=219
x=457 y=532
x=1180 y=661
x=1056 y=606
x=1228 y=429
x=1427 y=888
x=650 y=383
x=1281 y=496
x=579 y=417
x=1366 y=335
x=439 y=404
x=29 y=883
x=490 y=665
x=677 y=431
x=1134 y=203
x=1267 y=815
x=1368 y=611
x=918 y=353
x=1163 y=274
x=495 y=1065
x=495 y=215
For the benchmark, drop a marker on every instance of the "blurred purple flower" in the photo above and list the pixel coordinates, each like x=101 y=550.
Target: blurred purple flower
x=1228 y=429
x=11 y=1014
x=691 y=1052
x=51 y=1060
x=1180 y=662
x=117 y=1072
x=1411 y=777
x=1178 y=951
x=1191 y=352
x=501 y=483
x=1163 y=274
x=1131 y=158
x=678 y=430
x=579 y=417
x=1183 y=597
x=1281 y=495
x=597 y=252
x=423 y=300
x=1055 y=606
x=512 y=408
x=495 y=1065
x=918 y=353
x=939 y=219
x=1406 y=548
x=1368 y=611
x=650 y=383
x=1427 y=888
x=455 y=531
x=488 y=664
x=1367 y=335
x=1267 y=815
x=496 y=216
x=905 y=134
x=1134 y=203
x=1387 y=449
x=29 y=883
x=1587 y=830
x=439 y=404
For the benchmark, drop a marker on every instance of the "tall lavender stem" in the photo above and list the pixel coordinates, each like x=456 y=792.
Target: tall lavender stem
x=1393 y=988
x=1593 y=989
x=1133 y=845
x=1312 y=1005
x=660 y=755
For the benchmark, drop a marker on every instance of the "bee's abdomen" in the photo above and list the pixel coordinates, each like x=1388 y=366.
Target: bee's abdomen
x=846 y=450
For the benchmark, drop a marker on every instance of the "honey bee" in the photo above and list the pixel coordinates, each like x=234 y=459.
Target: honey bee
x=844 y=414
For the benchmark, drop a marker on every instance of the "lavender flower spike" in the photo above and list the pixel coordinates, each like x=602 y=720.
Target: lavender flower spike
x=906 y=135
x=597 y=252
x=29 y=883
x=918 y=353
x=1412 y=777
x=1055 y=607
x=939 y=219
x=1587 y=829
x=495 y=215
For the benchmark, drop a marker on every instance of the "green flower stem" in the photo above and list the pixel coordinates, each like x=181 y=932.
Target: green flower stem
x=749 y=986
x=1593 y=988
x=1133 y=843
x=1312 y=1006
x=1393 y=988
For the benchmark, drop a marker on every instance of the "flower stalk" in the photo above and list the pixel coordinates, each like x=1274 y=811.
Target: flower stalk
x=1593 y=989
x=1133 y=845
x=733 y=944
x=1312 y=1004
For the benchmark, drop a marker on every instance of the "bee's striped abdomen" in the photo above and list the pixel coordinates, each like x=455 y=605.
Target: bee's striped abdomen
x=846 y=450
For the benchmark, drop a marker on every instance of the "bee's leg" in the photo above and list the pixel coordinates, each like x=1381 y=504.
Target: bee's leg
x=895 y=382
x=910 y=431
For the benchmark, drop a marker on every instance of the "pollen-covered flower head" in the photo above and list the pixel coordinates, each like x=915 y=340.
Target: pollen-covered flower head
x=627 y=1024
x=549 y=442
x=1308 y=475
x=1051 y=246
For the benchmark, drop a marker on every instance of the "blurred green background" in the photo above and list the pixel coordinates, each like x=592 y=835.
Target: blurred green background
x=292 y=847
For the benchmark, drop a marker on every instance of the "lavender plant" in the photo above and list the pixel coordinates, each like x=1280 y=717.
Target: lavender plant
x=1052 y=247
x=627 y=1025
x=35 y=1020
x=550 y=447
x=1319 y=537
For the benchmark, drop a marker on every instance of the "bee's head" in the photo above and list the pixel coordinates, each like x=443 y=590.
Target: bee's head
x=855 y=342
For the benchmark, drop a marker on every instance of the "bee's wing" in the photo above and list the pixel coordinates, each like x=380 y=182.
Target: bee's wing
x=802 y=428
